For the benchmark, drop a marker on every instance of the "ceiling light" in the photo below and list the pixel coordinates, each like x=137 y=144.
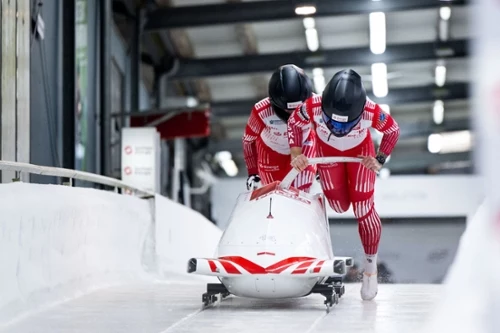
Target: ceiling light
x=445 y=13
x=450 y=142
x=312 y=39
x=377 y=32
x=309 y=23
x=319 y=80
x=435 y=143
x=438 y=112
x=379 y=79
x=440 y=75
x=305 y=10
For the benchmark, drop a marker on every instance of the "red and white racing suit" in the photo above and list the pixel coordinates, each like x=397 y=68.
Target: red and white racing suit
x=266 y=149
x=346 y=183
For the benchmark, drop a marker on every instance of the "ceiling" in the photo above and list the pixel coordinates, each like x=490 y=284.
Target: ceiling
x=226 y=50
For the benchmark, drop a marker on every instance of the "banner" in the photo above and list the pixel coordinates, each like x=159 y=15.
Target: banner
x=141 y=158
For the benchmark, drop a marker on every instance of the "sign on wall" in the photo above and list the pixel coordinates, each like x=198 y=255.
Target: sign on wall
x=141 y=158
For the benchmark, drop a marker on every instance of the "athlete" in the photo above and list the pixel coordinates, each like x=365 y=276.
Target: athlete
x=265 y=142
x=341 y=119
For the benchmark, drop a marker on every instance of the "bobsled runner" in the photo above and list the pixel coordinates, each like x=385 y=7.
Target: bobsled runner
x=277 y=245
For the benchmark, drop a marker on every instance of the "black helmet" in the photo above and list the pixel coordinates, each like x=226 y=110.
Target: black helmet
x=289 y=87
x=343 y=102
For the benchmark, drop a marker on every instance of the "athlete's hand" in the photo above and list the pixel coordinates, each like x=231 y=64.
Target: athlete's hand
x=370 y=163
x=300 y=162
x=253 y=182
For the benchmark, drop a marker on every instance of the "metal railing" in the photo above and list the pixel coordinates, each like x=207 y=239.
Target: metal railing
x=19 y=167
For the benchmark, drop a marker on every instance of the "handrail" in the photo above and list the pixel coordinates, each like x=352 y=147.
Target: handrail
x=71 y=174
x=289 y=178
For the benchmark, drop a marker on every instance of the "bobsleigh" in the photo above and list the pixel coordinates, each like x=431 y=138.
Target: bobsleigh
x=277 y=245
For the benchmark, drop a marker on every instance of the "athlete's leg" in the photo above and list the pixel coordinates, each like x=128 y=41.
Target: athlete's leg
x=333 y=178
x=361 y=192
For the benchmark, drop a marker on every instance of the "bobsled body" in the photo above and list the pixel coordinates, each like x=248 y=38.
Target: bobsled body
x=277 y=245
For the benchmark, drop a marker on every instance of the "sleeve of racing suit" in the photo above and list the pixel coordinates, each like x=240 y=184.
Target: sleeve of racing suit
x=254 y=127
x=385 y=123
x=299 y=121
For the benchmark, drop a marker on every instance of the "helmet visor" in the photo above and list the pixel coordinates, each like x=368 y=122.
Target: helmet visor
x=338 y=128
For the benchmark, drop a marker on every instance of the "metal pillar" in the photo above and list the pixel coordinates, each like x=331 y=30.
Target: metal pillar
x=105 y=86
x=179 y=167
x=135 y=59
x=69 y=84
x=15 y=84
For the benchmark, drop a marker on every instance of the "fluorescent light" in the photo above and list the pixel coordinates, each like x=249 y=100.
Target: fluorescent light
x=222 y=156
x=450 y=142
x=191 y=102
x=438 y=112
x=312 y=39
x=440 y=75
x=435 y=143
x=230 y=167
x=443 y=30
x=305 y=10
x=318 y=71
x=379 y=79
x=386 y=108
x=377 y=32
x=319 y=80
x=309 y=23
x=225 y=160
x=445 y=13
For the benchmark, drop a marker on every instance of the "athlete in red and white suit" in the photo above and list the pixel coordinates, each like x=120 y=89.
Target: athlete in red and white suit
x=265 y=142
x=266 y=148
x=348 y=183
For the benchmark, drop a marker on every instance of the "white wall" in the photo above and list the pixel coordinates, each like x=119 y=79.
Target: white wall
x=57 y=242
x=397 y=196
x=182 y=234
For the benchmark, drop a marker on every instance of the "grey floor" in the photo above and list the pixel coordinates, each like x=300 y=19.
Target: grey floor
x=176 y=307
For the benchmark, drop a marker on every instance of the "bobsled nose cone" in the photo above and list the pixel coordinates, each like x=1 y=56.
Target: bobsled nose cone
x=192 y=263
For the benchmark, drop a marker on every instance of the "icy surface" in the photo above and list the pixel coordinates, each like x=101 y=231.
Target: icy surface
x=175 y=307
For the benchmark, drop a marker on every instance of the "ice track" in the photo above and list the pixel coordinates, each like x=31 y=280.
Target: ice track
x=175 y=307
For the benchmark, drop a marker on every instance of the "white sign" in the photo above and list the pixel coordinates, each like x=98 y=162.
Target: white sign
x=293 y=105
x=342 y=119
x=141 y=158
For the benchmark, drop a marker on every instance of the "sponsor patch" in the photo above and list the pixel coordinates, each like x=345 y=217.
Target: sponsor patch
x=342 y=119
x=293 y=105
x=382 y=116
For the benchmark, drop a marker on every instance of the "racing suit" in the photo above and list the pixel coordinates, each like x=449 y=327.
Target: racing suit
x=266 y=149
x=348 y=183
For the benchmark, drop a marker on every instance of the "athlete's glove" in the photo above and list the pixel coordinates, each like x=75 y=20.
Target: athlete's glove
x=253 y=182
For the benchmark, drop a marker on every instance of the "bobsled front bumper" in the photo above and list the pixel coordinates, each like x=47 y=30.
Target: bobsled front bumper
x=233 y=267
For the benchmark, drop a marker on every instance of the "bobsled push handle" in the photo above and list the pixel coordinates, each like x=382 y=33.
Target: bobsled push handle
x=288 y=180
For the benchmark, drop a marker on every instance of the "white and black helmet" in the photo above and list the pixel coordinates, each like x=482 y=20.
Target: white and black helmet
x=289 y=87
x=343 y=102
